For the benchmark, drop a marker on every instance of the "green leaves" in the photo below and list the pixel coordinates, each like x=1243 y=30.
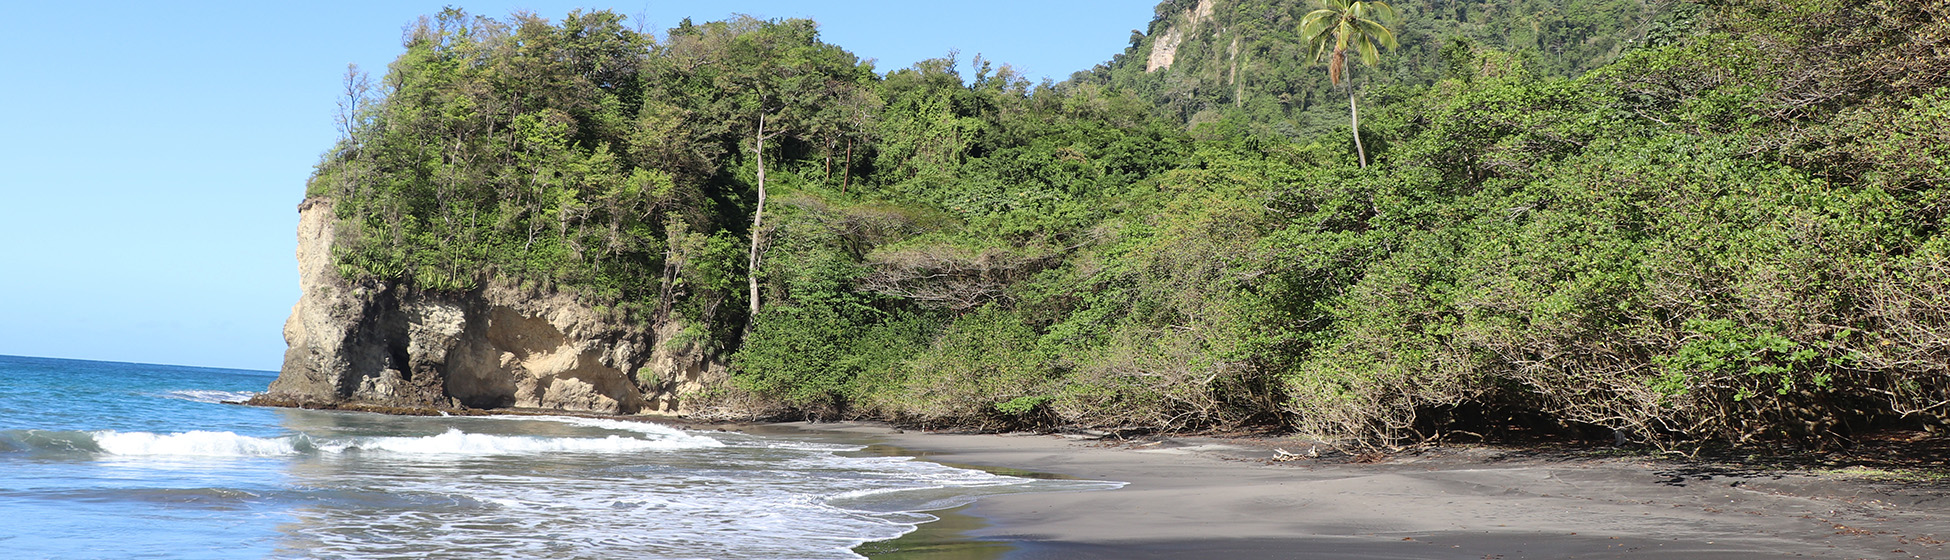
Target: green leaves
x=1358 y=25
x=1718 y=349
x=1686 y=243
x=1351 y=26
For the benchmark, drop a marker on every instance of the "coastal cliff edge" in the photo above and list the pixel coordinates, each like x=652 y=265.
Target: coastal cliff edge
x=383 y=345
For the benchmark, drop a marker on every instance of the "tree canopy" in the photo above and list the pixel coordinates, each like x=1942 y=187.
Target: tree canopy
x=1715 y=220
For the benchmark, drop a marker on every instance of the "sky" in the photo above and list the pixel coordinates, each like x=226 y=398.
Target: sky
x=153 y=154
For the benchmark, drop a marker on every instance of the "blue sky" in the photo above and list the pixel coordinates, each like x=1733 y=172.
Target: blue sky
x=152 y=154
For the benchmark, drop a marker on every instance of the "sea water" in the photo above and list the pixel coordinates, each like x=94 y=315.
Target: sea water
x=116 y=460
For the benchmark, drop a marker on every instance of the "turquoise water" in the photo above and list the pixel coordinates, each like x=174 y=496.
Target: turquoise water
x=115 y=460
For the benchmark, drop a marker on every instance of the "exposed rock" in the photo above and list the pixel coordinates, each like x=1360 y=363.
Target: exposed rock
x=375 y=345
x=1164 y=50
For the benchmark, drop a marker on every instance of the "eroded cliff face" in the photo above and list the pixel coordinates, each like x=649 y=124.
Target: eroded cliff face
x=386 y=346
x=1164 y=50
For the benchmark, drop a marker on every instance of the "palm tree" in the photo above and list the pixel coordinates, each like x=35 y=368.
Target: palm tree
x=1349 y=26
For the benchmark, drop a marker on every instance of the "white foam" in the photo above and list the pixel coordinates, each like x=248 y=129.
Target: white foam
x=933 y=479
x=212 y=397
x=907 y=468
x=798 y=445
x=192 y=444
x=871 y=492
x=456 y=442
x=453 y=443
x=650 y=428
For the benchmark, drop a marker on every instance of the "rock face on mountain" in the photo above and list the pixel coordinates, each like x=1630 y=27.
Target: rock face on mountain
x=1164 y=50
x=380 y=345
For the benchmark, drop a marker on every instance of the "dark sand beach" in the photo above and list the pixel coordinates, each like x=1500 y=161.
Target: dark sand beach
x=1199 y=497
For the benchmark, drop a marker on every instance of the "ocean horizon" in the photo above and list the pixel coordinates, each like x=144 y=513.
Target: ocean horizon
x=123 y=460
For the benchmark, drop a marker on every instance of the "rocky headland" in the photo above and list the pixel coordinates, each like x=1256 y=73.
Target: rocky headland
x=386 y=346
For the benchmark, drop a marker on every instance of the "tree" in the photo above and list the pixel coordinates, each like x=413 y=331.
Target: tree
x=768 y=83
x=1356 y=26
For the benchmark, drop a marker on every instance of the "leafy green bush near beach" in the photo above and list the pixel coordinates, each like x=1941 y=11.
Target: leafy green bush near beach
x=1719 y=219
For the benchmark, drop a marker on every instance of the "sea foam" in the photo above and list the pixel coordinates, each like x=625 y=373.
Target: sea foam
x=456 y=442
x=452 y=443
x=212 y=397
x=661 y=431
x=192 y=444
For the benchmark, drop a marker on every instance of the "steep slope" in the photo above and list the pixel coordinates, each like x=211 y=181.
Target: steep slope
x=1205 y=60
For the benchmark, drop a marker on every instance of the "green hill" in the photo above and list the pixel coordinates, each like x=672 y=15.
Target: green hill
x=1208 y=60
x=1713 y=220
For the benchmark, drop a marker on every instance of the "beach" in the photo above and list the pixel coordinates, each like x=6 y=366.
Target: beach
x=1206 y=497
x=91 y=445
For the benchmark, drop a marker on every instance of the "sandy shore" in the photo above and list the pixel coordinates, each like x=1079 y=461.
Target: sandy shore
x=1223 y=498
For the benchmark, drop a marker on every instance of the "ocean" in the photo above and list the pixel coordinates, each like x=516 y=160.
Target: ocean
x=119 y=460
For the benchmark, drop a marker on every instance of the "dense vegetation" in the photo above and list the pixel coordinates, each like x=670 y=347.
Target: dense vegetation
x=1245 y=61
x=1690 y=220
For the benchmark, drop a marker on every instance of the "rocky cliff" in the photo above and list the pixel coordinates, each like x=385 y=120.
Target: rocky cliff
x=383 y=345
x=1164 y=49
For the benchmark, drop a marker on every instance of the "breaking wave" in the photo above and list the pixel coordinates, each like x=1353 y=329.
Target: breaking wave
x=660 y=431
x=453 y=443
x=192 y=444
x=456 y=442
x=212 y=397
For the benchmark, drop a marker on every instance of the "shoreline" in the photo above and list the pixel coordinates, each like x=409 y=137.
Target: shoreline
x=1190 y=497
x=1239 y=498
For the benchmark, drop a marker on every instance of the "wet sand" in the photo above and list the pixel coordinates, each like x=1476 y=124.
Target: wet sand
x=1226 y=498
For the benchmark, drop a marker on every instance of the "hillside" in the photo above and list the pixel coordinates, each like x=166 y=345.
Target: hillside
x=1719 y=220
x=1210 y=60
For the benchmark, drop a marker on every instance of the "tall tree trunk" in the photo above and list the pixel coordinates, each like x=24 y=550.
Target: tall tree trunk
x=846 y=172
x=1354 y=114
x=758 y=220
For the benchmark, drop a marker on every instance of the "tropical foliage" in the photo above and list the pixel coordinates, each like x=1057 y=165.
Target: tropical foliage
x=1692 y=220
x=1358 y=27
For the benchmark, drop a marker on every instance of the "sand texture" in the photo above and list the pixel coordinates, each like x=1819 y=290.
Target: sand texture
x=1225 y=498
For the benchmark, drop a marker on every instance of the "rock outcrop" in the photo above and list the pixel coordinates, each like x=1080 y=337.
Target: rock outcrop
x=1164 y=50
x=380 y=345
